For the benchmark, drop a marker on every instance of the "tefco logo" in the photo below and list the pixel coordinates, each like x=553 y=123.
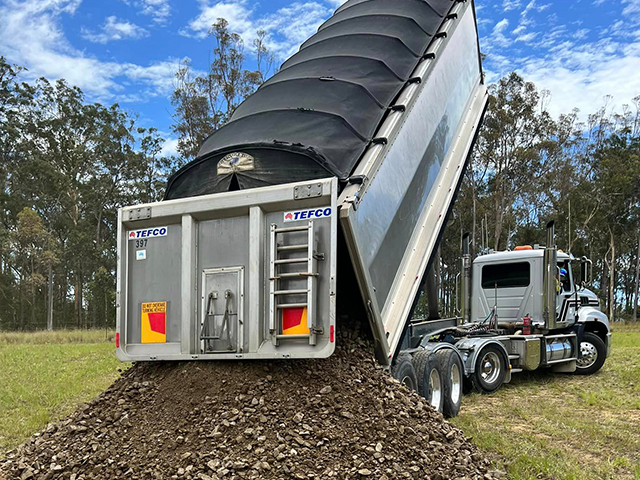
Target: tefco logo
x=307 y=214
x=148 y=233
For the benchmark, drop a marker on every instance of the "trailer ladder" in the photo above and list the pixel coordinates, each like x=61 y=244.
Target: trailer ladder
x=278 y=280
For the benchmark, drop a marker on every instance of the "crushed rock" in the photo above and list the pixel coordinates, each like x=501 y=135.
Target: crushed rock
x=339 y=418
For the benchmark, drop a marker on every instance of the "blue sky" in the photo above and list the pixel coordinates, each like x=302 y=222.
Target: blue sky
x=127 y=51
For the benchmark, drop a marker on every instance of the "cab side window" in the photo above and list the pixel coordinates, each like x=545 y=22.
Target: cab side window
x=564 y=276
x=506 y=275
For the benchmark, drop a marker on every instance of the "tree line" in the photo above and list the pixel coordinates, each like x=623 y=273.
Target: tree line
x=67 y=165
x=528 y=168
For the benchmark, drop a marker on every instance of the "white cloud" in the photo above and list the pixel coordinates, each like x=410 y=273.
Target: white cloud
x=511 y=5
x=170 y=148
x=497 y=39
x=236 y=13
x=632 y=8
x=158 y=9
x=579 y=73
x=580 y=66
x=501 y=26
x=582 y=76
x=336 y=3
x=527 y=37
x=286 y=28
x=31 y=35
x=114 y=29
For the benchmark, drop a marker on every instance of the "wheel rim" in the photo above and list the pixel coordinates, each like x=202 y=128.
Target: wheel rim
x=436 y=389
x=407 y=381
x=490 y=367
x=588 y=355
x=456 y=383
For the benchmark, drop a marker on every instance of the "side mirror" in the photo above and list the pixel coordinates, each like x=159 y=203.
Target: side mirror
x=585 y=271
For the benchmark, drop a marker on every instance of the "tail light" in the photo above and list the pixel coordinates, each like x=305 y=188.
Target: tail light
x=526 y=325
x=117 y=340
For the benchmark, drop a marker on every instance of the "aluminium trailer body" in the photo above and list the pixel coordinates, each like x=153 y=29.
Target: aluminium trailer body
x=365 y=134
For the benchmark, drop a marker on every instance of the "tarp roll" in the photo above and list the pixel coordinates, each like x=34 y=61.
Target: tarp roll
x=316 y=116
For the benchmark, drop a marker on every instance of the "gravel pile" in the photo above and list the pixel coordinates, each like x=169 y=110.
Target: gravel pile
x=340 y=418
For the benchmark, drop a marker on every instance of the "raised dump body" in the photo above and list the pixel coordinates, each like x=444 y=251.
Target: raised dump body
x=371 y=122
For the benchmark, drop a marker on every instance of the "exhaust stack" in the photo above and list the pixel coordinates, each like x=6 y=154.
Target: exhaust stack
x=432 y=293
x=549 y=276
x=465 y=294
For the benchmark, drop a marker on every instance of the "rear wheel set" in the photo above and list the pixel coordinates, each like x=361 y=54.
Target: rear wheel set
x=438 y=378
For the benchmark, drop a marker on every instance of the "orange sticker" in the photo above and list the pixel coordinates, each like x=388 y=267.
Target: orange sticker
x=294 y=321
x=154 y=322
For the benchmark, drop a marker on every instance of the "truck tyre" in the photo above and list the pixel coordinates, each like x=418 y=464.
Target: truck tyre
x=404 y=372
x=592 y=354
x=430 y=385
x=490 y=370
x=452 y=375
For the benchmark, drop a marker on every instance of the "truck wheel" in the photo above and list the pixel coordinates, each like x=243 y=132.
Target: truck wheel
x=430 y=385
x=490 y=370
x=592 y=354
x=404 y=372
x=452 y=375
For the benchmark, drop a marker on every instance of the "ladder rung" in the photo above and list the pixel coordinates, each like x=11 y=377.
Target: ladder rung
x=292 y=229
x=291 y=260
x=288 y=248
x=291 y=292
x=292 y=336
x=280 y=276
x=291 y=305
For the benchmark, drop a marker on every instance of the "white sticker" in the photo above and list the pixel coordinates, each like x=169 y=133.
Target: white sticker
x=148 y=233
x=141 y=254
x=307 y=214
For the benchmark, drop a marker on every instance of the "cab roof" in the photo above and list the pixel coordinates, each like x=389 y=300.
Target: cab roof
x=511 y=255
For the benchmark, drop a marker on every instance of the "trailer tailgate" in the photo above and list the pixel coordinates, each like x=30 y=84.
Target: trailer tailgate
x=242 y=274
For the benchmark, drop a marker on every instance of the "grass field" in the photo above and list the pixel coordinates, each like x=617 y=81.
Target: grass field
x=553 y=426
x=541 y=425
x=46 y=375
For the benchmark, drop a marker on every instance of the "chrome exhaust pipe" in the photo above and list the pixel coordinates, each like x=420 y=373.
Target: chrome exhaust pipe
x=465 y=294
x=550 y=279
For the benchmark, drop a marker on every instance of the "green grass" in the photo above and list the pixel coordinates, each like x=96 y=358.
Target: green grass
x=554 y=426
x=42 y=382
x=541 y=425
x=58 y=336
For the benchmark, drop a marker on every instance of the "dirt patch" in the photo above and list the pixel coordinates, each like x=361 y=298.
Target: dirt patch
x=339 y=418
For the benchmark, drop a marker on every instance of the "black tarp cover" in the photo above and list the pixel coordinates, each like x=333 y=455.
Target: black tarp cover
x=317 y=115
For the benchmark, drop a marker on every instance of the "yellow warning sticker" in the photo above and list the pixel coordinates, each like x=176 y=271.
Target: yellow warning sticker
x=154 y=322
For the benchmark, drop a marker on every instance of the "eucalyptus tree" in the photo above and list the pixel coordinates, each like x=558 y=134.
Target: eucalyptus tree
x=205 y=101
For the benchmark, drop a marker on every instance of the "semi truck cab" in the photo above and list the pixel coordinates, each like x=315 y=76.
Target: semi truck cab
x=510 y=286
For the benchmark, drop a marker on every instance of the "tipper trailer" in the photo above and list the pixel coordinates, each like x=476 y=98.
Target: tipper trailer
x=341 y=169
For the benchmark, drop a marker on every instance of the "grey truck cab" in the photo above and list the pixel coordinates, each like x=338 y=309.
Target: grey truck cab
x=533 y=291
x=511 y=286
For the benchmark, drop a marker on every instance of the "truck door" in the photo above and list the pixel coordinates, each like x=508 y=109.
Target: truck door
x=566 y=301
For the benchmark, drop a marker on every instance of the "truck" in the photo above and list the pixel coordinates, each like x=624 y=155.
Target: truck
x=324 y=199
